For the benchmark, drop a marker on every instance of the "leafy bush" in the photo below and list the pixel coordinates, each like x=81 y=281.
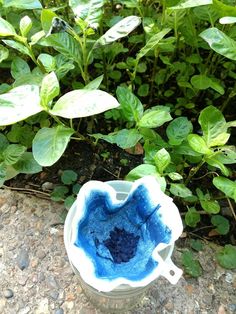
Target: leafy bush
x=172 y=67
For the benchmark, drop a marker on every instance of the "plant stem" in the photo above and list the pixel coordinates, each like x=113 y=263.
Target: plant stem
x=231 y=208
x=193 y=171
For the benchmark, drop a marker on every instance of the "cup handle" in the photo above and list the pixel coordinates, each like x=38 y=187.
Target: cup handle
x=171 y=272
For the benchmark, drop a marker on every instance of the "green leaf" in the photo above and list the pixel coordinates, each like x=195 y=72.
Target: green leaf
x=69 y=201
x=227 y=257
x=184 y=4
x=191 y=266
x=145 y=170
x=192 y=217
x=47 y=16
x=3 y=143
x=152 y=42
x=210 y=206
x=119 y=30
x=213 y=161
x=76 y=187
x=213 y=125
x=4 y=53
x=143 y=90
x=49 y=89
x=25 y=25
x=27 y=164
x=127 y=138
x=162 y=160
x=178 y=130
x=180 y=190
x=68 y=177
x=23 y=4
x=198 y=144
x=18 y=46
x=48 y=62
x=6 y=29
x=226 y=154
x=19 y=68
x=65 y=44
x=58 y=193
x=221 y=224
x=90 y=11
x=220 y=42
x=18 y=104
x=94 y=84
x=154 y=118
x=226 y=186
x=83 y=103
x=130 y=106
x=50 y=143
x=197 y=245
x=13 y=153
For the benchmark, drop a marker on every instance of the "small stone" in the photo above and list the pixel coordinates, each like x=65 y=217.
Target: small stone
x=59 y=311
x=41 y=254
x=232 y=307
x=47 y=186
x=52 y=282
x=69 y=305
x=228 y=277
x=22 y=259
x=221 y=310
x=41 y=277
x=42 y=307
x=70 y=297
x=8 y=293
x=34 y=263
x=54 y=294
x=22 y=280
x=24 y=310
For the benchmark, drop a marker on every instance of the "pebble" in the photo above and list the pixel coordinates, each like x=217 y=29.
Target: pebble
x=232 y=307
x=47 y=186
x=229 y=278
x=59 y=311
x=52 y=282
x=54 y=294
x=8 y=293
x=24 y=310
x=22 y=259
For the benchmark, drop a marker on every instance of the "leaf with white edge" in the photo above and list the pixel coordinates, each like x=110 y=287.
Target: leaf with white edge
x=179 y=189
x=162 y=160
x=220 y=42
x=6 y=29
x=49 y=89
x=23 y=4
x=50 y=143
x=90 y=11
x=94 y=84
x=178 y=130
x=213 y=124
x=152 y=42
x=154 y=118
x=227 y=20
x=27 y=164
x=18 y=104
x=83 y=103
x=146 y=170
x=25 y=25
x=226 y=186
x=227 y=257
x=4 y=53
x=18 y=46
x=184 y=4
x=198 y=144
x=119 y=30
x=13 y=153
x=212 y=161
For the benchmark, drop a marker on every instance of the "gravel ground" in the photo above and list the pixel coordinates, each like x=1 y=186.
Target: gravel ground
x=35 y=275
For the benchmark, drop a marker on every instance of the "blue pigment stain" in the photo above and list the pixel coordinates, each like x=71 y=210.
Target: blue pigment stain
x=120 y=239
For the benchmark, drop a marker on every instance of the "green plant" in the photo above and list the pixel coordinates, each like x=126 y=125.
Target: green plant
x=68 y=191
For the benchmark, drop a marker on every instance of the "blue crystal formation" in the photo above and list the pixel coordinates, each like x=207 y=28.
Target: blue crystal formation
x=120 y=238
